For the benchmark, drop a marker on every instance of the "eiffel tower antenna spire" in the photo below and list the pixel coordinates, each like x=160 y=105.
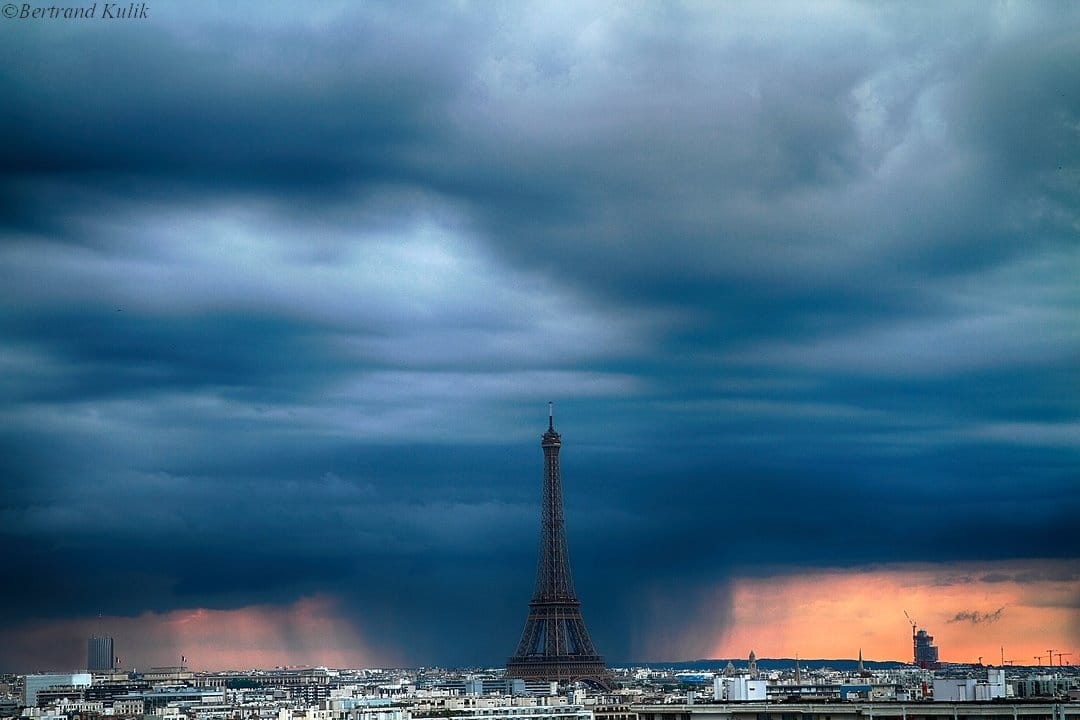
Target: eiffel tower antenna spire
x=555 y=645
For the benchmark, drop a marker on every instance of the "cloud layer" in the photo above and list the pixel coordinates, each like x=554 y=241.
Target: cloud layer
x=286 y=293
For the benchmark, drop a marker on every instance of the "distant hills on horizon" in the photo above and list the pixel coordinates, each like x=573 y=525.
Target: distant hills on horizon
x=782 y=664
x=768 y=664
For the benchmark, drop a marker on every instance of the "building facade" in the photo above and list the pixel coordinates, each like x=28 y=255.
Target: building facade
x=34 y=684
x=99 y=654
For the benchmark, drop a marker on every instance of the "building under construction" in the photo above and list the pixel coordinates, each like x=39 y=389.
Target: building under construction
x=926 y=652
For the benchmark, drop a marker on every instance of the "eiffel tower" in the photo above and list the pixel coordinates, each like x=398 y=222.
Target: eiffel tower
x=555 y=644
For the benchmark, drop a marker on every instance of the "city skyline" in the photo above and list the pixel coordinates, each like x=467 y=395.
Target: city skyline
x=287 y=290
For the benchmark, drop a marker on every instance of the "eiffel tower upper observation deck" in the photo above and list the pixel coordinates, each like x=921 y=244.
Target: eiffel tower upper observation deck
x=555 y=644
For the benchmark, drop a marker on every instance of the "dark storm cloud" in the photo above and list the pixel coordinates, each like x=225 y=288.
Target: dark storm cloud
x=212 y=101
x=975 y=617
x=286 y=293
x=1038 y=575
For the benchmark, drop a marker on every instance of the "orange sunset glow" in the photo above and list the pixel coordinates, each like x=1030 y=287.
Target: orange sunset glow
x=972 y=611
x=310 y=631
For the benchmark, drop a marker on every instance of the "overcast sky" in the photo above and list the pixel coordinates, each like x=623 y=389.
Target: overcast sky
x=287 y=287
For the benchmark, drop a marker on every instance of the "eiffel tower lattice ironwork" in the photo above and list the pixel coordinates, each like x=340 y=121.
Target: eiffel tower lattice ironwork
x=555 y=644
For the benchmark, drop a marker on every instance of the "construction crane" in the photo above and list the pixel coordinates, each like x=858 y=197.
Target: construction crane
x=914 y=642
x=1061 y=655
x=1051 y=654
x=1039 y=658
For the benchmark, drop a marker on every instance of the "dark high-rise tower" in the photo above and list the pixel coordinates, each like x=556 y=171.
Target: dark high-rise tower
x=99 y=654
x=555 y=644
x=926 y=652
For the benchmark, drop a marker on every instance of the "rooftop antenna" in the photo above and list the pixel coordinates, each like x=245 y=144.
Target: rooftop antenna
x=551 y=415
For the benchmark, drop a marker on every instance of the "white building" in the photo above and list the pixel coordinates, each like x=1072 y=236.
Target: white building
x=737 y=689
x=343 y=709
x=971 y=689
x=38 y=714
